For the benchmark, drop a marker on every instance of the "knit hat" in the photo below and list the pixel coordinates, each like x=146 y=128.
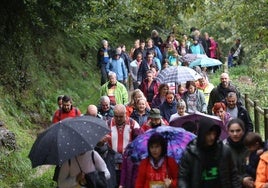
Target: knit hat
x=155 y=113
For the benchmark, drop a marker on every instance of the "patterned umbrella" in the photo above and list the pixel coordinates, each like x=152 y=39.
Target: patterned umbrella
x=205 y=62
x=195 y=117
x=177 y=139
x=66 y=139
x=177 y=74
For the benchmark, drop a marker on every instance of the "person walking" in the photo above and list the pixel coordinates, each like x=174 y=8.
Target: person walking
x=123 y=131
x=103 y=57
x=235 y=141
x=219 y=93
x=72 y=172
x=67 y=110
x=115 y=90
x=207 y=162
x=157 y=170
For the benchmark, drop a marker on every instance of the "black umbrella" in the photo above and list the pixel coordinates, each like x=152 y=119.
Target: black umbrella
x=66 y=139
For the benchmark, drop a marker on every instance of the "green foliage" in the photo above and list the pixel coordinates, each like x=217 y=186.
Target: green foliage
x=49 y=48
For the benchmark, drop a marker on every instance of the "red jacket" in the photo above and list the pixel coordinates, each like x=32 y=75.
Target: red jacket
x=148 y=175
x=149 y=92
x=60 y=115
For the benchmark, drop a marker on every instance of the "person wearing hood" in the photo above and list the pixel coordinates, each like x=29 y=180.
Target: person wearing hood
x=206 y=161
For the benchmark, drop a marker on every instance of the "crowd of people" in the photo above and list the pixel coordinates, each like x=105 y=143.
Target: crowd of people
x=208 y=161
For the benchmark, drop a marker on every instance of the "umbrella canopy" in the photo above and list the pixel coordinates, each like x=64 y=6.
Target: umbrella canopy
x=195 y=117
x=66 y=139
x=177 y=74
x=205 y=62
x=177 y=139
x=192 y=57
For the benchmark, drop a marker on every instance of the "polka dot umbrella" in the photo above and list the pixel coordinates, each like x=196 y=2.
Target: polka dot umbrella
x=66 y=139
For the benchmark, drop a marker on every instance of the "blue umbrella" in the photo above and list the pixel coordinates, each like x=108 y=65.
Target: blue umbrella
x=205 y=62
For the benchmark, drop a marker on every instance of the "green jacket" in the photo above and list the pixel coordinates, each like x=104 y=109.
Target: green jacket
x=121 y=94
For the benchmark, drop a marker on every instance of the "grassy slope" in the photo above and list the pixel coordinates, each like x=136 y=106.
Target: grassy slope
x=78 y=78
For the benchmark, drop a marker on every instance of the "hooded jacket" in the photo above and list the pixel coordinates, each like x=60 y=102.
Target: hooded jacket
x=262 y=172
x=197 y=154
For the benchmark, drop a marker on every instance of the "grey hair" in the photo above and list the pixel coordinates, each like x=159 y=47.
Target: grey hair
x=231 y=94
x=104 y=98
x=111 y=73
x=104 y=41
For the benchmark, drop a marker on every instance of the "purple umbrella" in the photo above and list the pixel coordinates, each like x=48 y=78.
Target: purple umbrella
x=195 y=117
x=177 y=139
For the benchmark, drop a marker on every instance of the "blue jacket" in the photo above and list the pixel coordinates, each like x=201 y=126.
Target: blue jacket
x=140 y=119
x=117 y=66
x=166 y=109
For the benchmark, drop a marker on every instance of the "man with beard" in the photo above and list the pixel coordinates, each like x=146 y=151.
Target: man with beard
x=237 y=110
x=220 y=92
x=155 y=120
x=67 y=110
x=207 y=162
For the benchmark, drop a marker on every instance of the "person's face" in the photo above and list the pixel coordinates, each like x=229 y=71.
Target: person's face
x=210 y=138
x=191 y=89
x=67 y=106
x=139 y=57
x=170 y=98
x=142 y=45
x=181 y=90
x=235 y=132
x=206 y=36
x=154 y=72
x=117 y=56
x=119 y=117
x=112 y=79
x=105 y=106
x=141 y=105
x=150 y=43
x=202 y=82
x=105 y=45
x=150 y=77
x=155 y=121
x=224 y=81
x=254 y=147
x=220 y=113
x=155 y=150
x=164 y=91
x=150 y=57
x=231 y=102
x=137 y=96
x=137 y=44
x=123 y=48
x=181 y=110
x=60 y=103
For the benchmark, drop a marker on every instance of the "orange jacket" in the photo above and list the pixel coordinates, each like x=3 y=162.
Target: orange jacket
x=262 y=171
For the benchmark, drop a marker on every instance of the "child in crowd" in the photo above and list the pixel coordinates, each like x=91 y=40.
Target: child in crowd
x=255 y=145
